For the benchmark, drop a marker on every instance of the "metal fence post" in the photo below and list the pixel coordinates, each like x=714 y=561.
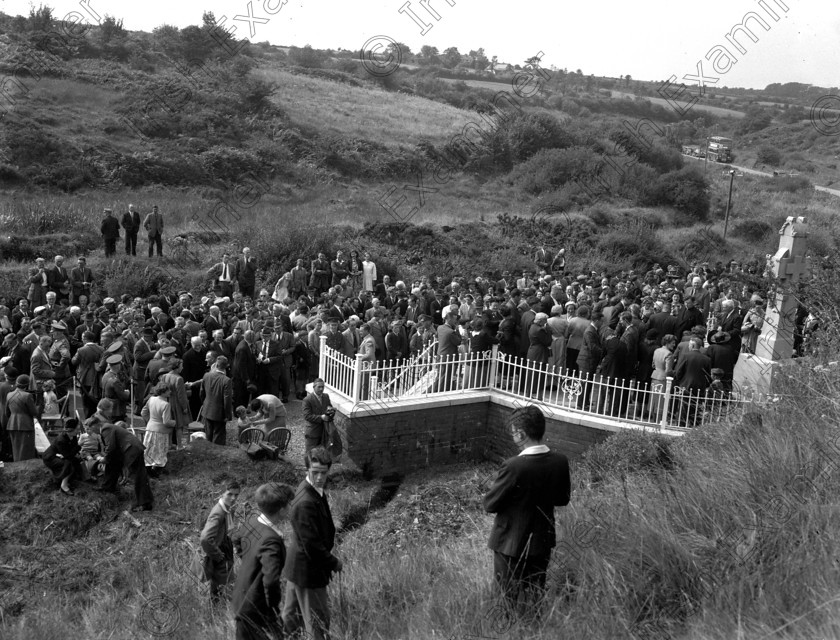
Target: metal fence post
x=322 y=360
x=669 y=382
x=357 y=379
x=494 y=366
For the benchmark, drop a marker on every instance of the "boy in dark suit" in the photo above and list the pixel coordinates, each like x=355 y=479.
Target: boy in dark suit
x=216 y=542
x=256 y=594
x=311 y=562
x=523 y=498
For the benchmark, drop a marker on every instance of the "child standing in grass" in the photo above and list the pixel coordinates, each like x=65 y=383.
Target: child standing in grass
x=50 y=399
x=257 y=592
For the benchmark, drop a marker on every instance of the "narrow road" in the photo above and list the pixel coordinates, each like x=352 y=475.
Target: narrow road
x=834 y=192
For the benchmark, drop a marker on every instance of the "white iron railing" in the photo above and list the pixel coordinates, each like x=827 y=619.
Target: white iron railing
x=659 y=404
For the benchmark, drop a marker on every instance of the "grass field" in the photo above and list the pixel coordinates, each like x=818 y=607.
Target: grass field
x=364 y=112
x=718 y=111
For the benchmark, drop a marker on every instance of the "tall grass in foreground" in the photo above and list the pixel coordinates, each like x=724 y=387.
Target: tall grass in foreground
x=736 y=541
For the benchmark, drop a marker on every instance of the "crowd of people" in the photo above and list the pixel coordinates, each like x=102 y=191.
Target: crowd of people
x=242 y=353
x=175 y=360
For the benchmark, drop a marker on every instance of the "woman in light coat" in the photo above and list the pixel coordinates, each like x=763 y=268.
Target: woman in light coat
x=159 y=424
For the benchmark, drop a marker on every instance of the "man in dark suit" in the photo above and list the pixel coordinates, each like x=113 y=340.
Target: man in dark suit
x=270 y=364
x=523 y=498
x=320 y=278
x=730 y=320
x=257 y=593
x=245 y=271
x=110 y=230
x=131 y=224
x=693 y=374
x=195 y=367
x=217 y=545
x=20 y=355
x=310 y=562
x=245 y=370
x=217 y=401
x=663 y=322
x=123 y=449
x=317 y=410
x=58 y=279
x=85 y=361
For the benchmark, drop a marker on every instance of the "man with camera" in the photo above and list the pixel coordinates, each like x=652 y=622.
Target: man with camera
x=317 y=411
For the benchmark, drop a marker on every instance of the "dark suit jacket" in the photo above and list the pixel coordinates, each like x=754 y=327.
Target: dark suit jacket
x=313 y=409
x=523 y=498
x=694 y=371
x=310 y=560
x=21 y=358
x=257 y=591
x=244 y=365
x=57 y=279
x=118 y=442
x=215 y=540
x=41 y=368
x=591 y=351
x=276 y=361
x=216 y=396
x=664 y=323
x=245 y=272
x=85 y=361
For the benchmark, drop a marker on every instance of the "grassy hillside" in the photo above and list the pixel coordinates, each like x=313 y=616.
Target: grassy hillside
x=365 y=112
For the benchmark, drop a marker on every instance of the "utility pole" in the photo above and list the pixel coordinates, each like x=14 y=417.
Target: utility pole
x=706 y=157
x=728 y=202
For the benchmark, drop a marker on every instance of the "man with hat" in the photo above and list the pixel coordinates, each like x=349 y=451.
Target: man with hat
x=156 y=364
x=60 y=357
x=110 y=230
x=22 y=410
x=113 y=386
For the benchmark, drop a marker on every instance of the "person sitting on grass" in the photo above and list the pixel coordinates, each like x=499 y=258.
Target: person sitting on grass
x=257 y=592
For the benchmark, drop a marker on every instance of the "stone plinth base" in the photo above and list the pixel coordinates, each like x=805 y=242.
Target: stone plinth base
x=754 y=374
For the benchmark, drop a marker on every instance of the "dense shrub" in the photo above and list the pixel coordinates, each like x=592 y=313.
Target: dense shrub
x=788 y=184
x=768 y=154
x=230 y=165
x=751 y=229
x=686 y=190
x=638 y=249
x=529 y=133
x=626 y=452
x=549 y=169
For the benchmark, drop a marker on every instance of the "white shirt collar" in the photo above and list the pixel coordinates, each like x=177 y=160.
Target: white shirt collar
x=532 y=451
x=320 y=491
x=268 y=523
x=223 y=506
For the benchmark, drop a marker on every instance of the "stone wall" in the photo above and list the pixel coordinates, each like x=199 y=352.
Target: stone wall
x=400 y=437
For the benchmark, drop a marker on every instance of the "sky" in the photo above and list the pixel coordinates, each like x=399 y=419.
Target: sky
x=648 y=39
